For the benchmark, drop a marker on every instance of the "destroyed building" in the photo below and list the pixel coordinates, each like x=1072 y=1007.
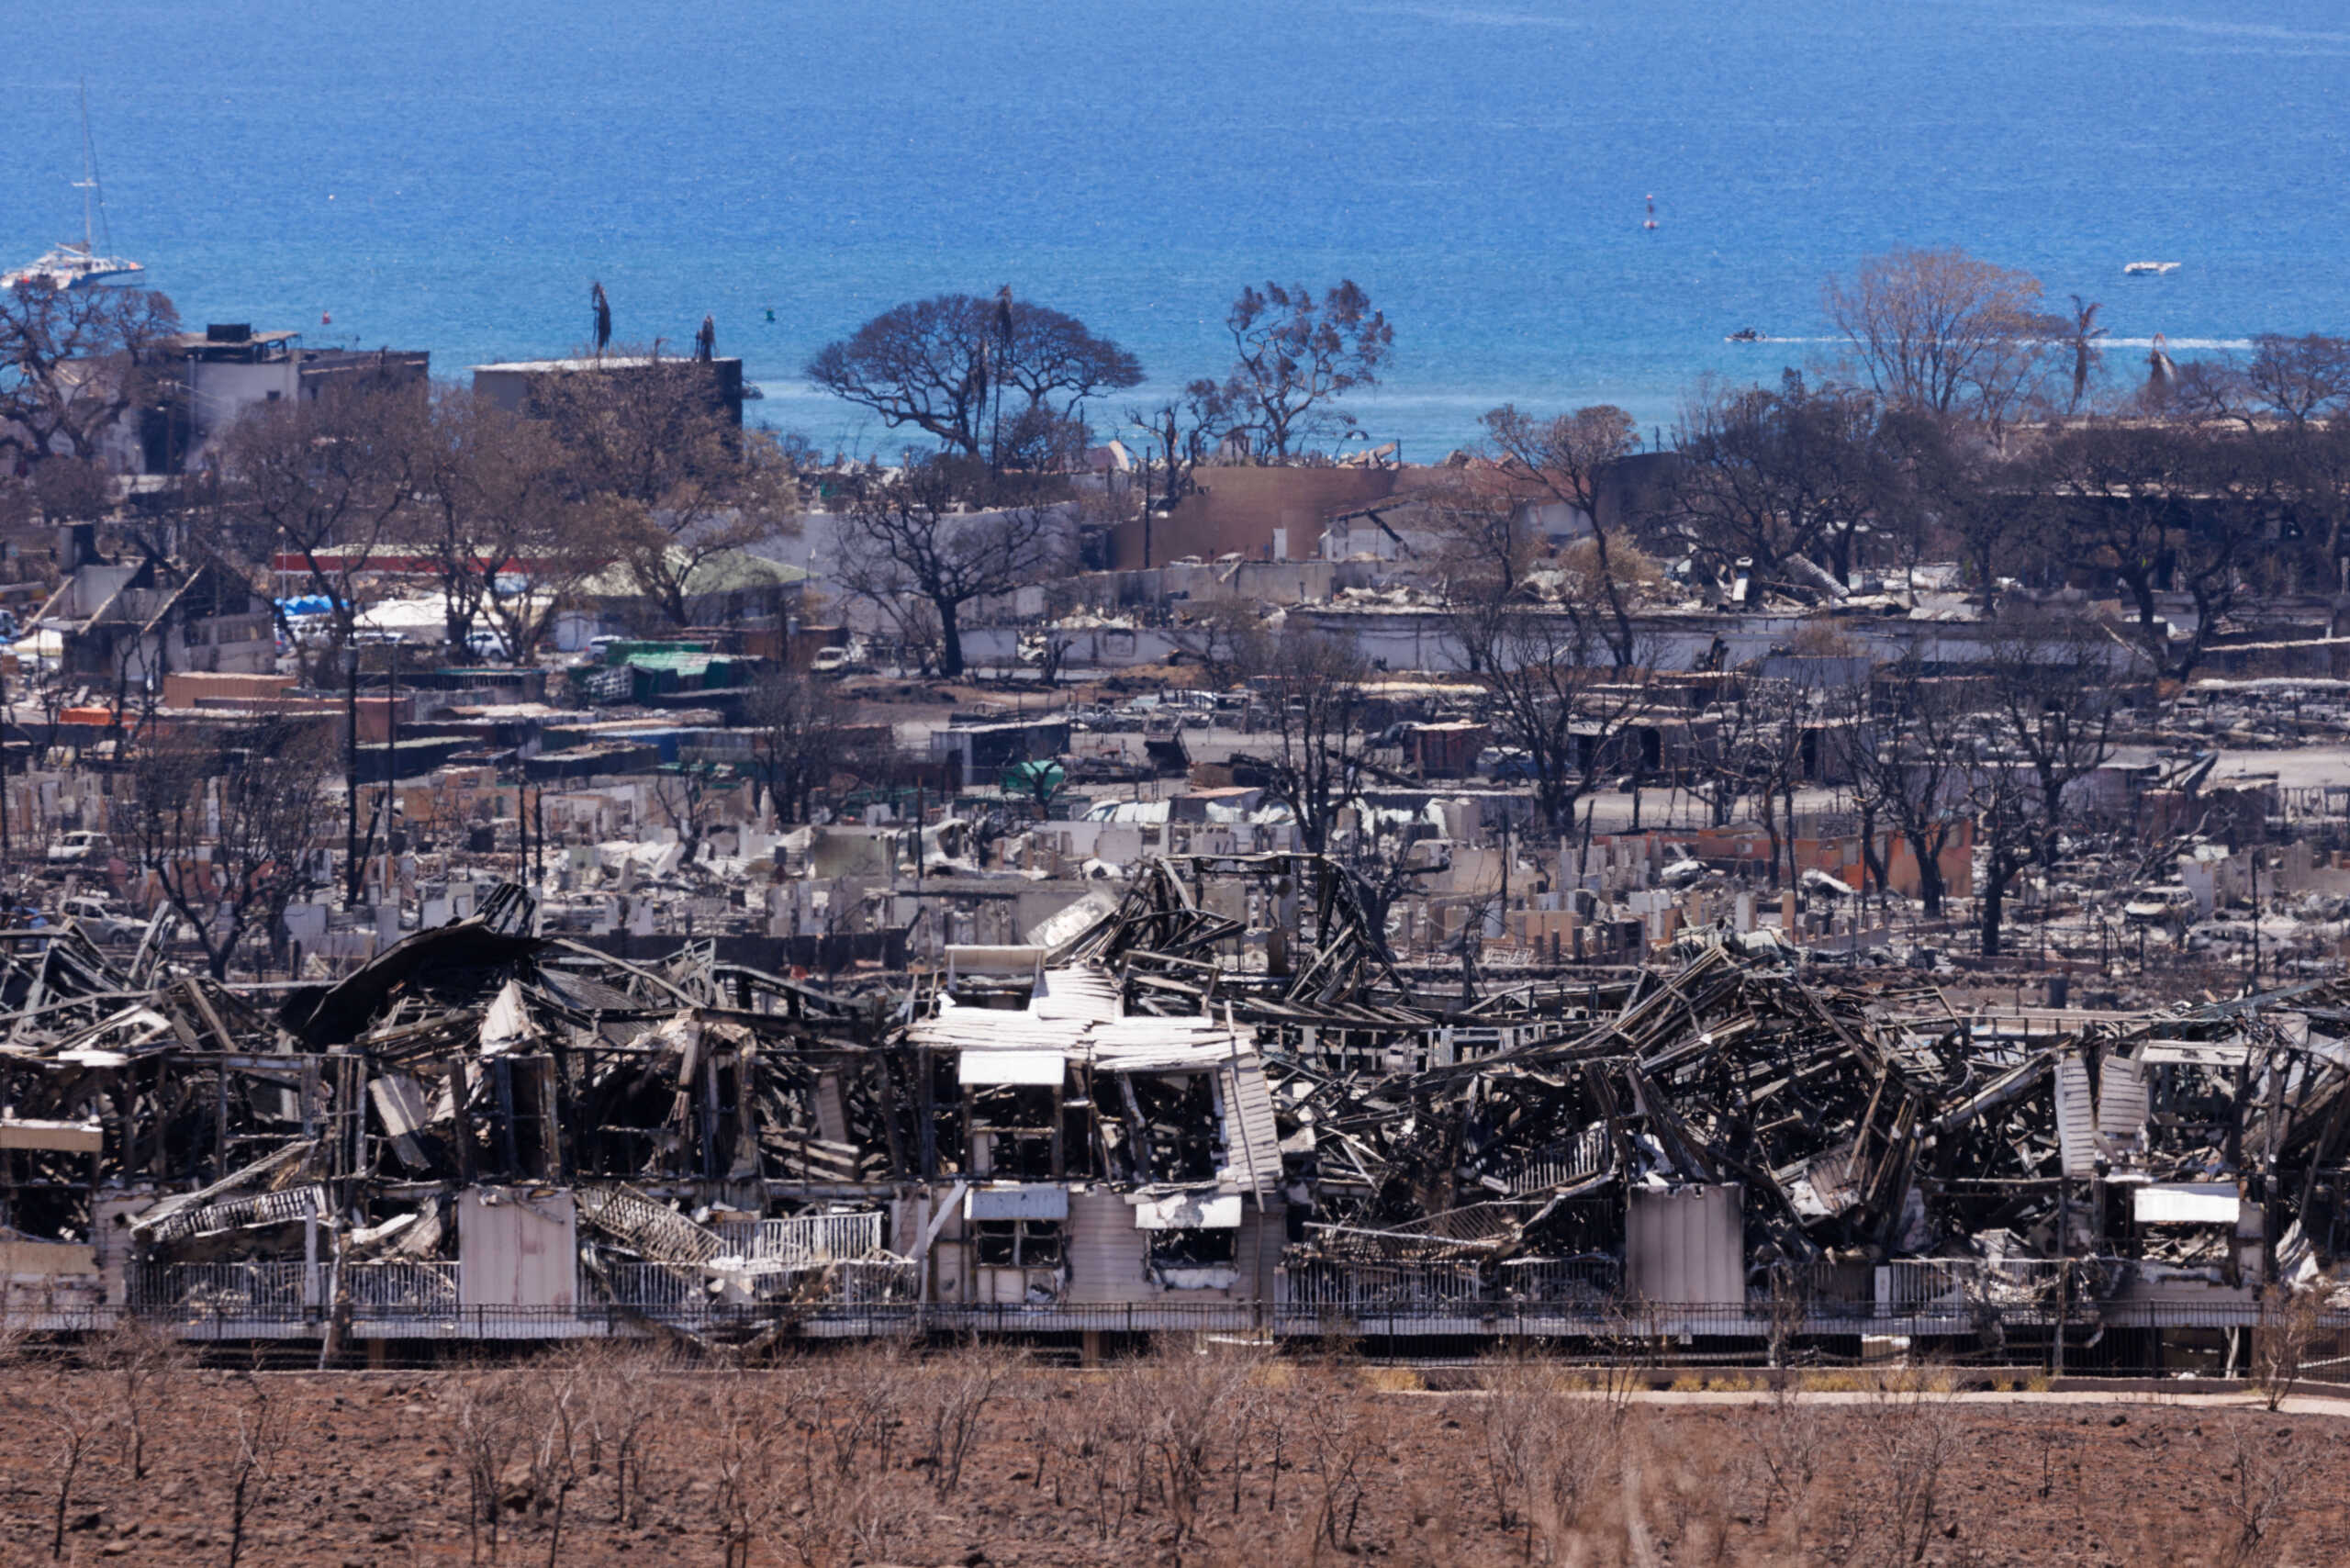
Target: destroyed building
x=486 y=1132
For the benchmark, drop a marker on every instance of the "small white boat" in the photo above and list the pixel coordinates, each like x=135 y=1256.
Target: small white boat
x=70 y=265
x=2149 y=269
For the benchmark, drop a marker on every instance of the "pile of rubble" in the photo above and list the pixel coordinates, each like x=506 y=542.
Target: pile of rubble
x=1863 y=1126
x=167 y=1145
x=487 y=1121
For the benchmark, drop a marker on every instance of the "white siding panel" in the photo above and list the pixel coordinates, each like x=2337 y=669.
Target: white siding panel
x=1262 y=1236
x=1685 y=1247
x=2121 y=1100
x=1105 y=1250
x=1252 y=1143
x=2076 y=1118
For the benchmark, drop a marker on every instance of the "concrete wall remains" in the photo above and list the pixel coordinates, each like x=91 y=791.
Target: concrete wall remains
x=1260 y=514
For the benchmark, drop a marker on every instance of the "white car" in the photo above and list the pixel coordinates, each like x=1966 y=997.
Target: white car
x=101 y=923
x=848 y=659
x=2168 y=904
x=80 y=846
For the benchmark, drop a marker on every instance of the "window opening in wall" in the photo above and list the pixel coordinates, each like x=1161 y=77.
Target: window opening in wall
x=1200 y=1259
x=1019 y=1243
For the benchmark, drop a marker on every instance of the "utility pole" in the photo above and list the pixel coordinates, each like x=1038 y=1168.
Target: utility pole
x=2255 y=917
x=391 y=732
x=391 y=766
x=352 y=872
x=5 y=716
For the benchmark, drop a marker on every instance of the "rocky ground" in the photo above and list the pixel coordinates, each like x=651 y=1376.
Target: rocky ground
x=1185 y=1457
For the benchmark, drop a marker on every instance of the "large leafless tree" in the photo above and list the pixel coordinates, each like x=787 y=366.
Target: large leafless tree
x=2051 y=688
x=226 y=827
x=2300 y=379
x=2173 y=507
x=1554 y=691
x=1313 y=688
x=1295 y=354
x=1567 y=456
x=1946 y=488
x=946 y=533
x=1185 y=431
x=73 y=362
x=1910 y=768
x=1945 y=331
x=661 y=465
x=1765 y=474
x=324 y=482
x=494 y=512
x=989 y=378
x=798 y=726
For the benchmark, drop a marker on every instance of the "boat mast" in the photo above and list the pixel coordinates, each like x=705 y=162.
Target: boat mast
x=93 y=203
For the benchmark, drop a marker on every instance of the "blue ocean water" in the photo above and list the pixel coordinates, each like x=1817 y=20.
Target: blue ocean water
x=450 y=175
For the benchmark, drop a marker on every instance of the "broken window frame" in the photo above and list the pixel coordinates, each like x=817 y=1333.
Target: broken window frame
x=1025 y=1243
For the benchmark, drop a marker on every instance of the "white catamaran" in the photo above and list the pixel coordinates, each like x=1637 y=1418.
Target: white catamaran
x=69 y=265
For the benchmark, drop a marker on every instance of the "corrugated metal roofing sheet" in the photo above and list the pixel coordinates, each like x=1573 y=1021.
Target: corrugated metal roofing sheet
x=1088 y=992
x=996 y=1067
x=2185 y=1203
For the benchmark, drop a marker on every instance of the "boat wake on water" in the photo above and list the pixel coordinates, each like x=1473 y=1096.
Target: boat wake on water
x=2201 y=344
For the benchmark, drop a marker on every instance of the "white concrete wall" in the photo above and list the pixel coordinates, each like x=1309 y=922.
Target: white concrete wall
x=218 y=395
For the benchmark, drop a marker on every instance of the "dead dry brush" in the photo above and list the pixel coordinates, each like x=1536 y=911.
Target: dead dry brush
x=1103 y=1443
x=1202 y=1396
x=485 y=1424
x=951 y=1397
x=749 y=1431
x=1346 y=1435
x=2292 y=1324
x=625 y=1387
x=254 y=1462
x=1197 y=1451
x=144 y=1364
x=70 y=1426
x=1908 y=1423
x=837 y=1490
x=2258 y=1493
x=1788 y=1440
x=1555 y=1443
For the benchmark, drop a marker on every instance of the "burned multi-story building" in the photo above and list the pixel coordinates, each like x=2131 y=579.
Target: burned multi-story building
x=488 y=1132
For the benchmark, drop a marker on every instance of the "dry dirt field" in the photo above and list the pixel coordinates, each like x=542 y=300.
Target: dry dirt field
x=1188 y=1456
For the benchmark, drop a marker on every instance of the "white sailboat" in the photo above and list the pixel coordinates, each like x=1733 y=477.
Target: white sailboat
x=69 y=265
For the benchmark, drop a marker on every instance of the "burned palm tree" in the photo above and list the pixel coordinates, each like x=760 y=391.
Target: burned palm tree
x=2084 y=336
x=998 y=349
